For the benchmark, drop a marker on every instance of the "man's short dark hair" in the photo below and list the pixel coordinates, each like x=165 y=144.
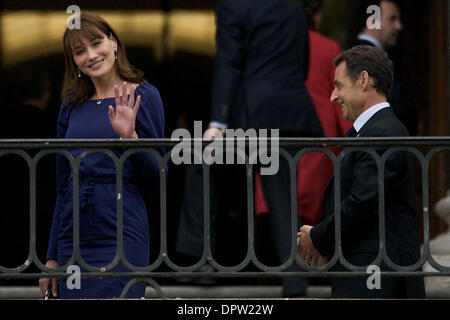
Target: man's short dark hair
x=374 y=61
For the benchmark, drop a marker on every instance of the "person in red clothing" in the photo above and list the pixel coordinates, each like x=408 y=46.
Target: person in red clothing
x=315 y=169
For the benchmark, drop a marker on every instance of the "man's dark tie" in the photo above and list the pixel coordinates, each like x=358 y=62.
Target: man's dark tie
x=351 y=133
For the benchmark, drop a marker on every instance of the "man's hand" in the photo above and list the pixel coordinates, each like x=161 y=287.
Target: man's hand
x=214 y=133
x=308 y=253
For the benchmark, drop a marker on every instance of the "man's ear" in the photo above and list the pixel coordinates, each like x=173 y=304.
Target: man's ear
x=363 y=80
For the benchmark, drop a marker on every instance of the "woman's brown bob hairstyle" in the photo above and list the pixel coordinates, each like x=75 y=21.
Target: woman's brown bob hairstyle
x=77 y=89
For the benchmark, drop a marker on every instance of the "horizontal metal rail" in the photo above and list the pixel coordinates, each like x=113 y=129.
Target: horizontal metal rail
x=437 y=141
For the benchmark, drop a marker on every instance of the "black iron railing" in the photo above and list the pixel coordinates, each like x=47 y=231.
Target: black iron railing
x=415 y=146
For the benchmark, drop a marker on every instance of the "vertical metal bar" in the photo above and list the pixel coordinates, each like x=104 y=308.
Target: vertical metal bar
x=163 y=209
x=76 y=211
x=294 y=212
x=381 y=207
x=120 y=195
x=337 y=208
x=32 y=249
x=250 y=213
x=425 y=206
x=206 y=212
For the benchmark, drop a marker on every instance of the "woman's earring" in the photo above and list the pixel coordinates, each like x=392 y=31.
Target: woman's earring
x=115 y=54
x=79 y=73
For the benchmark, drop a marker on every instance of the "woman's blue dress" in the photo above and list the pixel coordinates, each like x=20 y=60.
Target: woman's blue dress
x=98 y=196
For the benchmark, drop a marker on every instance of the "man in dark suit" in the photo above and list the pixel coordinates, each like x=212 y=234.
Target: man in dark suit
x=386 y=38
x=363 y=79
x=259 y=73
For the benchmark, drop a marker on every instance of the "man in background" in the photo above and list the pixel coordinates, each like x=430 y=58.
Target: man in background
x=259 y=73
x=386 y=38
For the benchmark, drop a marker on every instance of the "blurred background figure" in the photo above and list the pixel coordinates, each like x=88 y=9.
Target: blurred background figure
x=386 y=38
x=315 y=169
x=26 y=115
x=259 y=72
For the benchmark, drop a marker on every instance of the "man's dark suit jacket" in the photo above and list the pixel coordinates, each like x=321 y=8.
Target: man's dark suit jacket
x=399 y=98
x=360 y=214
x=260 y=67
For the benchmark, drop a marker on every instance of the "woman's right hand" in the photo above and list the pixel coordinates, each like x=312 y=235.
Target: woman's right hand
x=123 y=119
x=46 y=283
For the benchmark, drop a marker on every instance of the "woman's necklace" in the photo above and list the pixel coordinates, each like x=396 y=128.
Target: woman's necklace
x=98 y=100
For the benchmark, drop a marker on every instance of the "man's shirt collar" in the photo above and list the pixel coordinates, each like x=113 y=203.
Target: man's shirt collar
x=366 y=115
x=363 y=36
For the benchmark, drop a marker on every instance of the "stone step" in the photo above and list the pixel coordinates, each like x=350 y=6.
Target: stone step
x=188 y=291
x=185 y=291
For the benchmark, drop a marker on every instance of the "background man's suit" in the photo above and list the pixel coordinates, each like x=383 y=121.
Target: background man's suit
x=259 y=73
x=359 y=212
